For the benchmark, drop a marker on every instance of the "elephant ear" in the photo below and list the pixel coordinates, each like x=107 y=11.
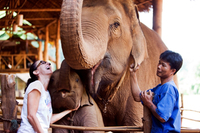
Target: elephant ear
x=139 y=49
x=85 y=99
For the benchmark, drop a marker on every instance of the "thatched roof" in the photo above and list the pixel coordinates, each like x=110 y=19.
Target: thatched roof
x=40 y=13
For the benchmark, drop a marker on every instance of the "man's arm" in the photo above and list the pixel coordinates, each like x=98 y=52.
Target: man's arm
x=147 y=101
x=135 y=89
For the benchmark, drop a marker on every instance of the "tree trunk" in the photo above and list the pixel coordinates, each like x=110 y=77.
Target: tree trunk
x=9 y=104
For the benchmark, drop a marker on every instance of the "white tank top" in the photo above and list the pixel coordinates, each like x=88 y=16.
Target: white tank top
x=44 y=111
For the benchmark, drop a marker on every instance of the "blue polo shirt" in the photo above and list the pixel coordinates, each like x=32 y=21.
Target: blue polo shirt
x=166 y=98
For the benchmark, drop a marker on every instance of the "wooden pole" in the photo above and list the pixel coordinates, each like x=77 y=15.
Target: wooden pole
x=147 y=121
x=46 y=48
x=117 y=128
x=9 y=105
x=157 y=16
x=181 y=108
x=32 y=19
x=40 y=54
x=57 y=45
x=34 y=10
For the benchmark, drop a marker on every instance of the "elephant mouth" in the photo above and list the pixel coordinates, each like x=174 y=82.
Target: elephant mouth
x=93 y=72
x=64 y=92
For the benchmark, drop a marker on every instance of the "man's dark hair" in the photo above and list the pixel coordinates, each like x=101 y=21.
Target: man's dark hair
x=175 y=60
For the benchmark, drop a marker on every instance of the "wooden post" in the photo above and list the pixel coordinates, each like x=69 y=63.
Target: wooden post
x=182 y=108
x=157 y=16
x=40 y=55
x=46 y=48
x=147 y=120
x=57 y=45
x=9 y=104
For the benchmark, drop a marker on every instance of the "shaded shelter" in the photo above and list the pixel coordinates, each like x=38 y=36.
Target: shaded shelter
x=43 y=17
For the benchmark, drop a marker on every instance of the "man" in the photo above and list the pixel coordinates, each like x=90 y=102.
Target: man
x=162 y=100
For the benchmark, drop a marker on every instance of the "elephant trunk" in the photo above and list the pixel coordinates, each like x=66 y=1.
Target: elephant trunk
x=79 y=53
x=64 y=75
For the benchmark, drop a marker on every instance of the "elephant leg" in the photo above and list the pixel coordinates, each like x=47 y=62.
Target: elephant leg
x=63 y=121
x=89 y=116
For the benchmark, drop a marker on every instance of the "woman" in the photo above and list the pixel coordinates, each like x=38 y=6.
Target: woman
x=37 y=111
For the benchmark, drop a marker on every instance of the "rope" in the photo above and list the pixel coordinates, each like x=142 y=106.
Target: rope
x=5 y=119
x=14 y=124
x=110 y=98
x=144 y=2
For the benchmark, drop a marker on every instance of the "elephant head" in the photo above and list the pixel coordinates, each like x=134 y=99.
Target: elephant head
x=66 y=89
x=101 y=35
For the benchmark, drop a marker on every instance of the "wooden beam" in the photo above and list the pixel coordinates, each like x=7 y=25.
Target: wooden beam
x=33 y=26
x=34 y=10
x=51 y=23
x=29 y=19
x=47 y=25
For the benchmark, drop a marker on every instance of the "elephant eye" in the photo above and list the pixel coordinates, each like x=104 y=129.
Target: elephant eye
x=115 y=29
x=116 y=24
x=77 y=80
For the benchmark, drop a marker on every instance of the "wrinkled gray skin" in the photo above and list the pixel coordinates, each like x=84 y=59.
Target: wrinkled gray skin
x=67 y=91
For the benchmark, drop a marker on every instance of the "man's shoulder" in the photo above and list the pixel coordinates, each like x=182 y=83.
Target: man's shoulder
x=169 y=87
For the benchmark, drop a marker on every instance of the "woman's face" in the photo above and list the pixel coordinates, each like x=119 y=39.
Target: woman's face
x=44 y=67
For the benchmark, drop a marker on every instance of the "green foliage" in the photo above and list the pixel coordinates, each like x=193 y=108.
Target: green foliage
x=195 y=88
x=189 y=77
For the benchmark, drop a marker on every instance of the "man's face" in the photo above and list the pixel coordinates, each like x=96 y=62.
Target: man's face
x=164 y=69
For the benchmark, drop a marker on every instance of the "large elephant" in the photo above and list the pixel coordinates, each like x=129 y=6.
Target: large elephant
x=100 y=39
x=67 y=91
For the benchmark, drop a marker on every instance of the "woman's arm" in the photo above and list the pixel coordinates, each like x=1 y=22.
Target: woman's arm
x=135 y=89
x=32 y=107
x=58 y=116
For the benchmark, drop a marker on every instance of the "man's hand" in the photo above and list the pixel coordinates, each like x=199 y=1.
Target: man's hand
x=132 y=69
x=147 y=97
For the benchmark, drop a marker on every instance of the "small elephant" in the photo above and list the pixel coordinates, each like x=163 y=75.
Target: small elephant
x=67 y=91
